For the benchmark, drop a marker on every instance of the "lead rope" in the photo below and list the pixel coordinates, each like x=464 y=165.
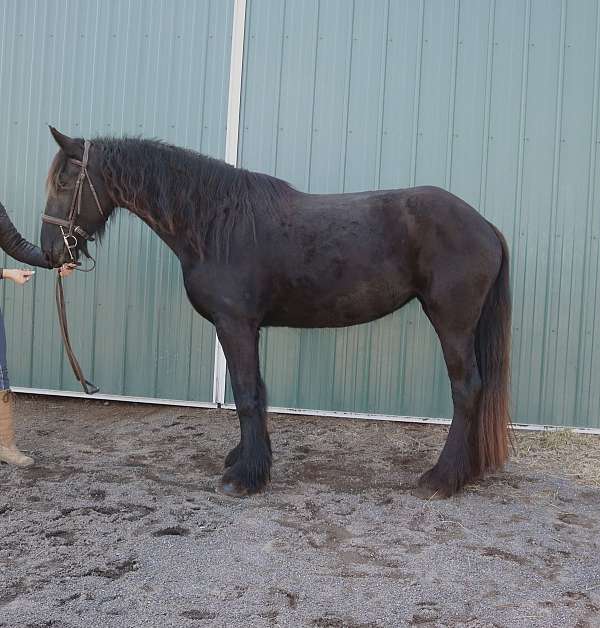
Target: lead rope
x=88 y=387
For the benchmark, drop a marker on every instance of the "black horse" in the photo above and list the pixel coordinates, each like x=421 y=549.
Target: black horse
x=255 y=252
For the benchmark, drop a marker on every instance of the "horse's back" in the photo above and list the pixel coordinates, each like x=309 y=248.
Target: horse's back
x=351 y=258
x=402 y=222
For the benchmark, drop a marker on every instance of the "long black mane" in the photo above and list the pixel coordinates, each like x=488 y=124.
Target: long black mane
x=181 y=192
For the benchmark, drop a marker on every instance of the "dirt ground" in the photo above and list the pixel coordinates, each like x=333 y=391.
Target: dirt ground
x=118 y=524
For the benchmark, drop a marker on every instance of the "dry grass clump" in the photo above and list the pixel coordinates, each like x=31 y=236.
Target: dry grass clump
x=560 y=452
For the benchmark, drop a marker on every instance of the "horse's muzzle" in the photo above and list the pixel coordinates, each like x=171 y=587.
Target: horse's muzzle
x=57 y=254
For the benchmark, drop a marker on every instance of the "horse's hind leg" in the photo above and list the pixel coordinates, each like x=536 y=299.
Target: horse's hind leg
x=249 y=463
x=458 y=462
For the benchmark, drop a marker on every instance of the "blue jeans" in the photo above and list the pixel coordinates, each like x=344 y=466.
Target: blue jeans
x=4 y=383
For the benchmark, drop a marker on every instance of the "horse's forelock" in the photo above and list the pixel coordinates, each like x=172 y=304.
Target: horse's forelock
x=53 y=183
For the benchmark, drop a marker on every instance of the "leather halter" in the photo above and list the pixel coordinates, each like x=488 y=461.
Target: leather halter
x=73 y=229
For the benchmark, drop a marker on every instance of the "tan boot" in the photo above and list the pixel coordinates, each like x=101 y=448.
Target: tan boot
x=8 y=450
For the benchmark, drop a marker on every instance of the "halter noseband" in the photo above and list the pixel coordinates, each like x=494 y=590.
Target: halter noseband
x=74 y=230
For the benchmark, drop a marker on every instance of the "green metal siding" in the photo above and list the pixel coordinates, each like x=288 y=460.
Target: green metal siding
x=494 y=100
x=95 y=67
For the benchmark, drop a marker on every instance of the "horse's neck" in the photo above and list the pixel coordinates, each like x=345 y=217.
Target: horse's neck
x=147 y=213
x=144 y=199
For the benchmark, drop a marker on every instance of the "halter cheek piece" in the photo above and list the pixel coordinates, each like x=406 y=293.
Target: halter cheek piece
x=72 y=229
x=70 y=238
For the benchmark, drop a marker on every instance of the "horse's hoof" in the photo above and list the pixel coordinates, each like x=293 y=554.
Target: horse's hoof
x=435 y=485
x=247 y=476
x=229 y=489
x=427 y=492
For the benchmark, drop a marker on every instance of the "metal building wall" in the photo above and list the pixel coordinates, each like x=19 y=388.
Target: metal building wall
x=103 y=67
x=496 y=100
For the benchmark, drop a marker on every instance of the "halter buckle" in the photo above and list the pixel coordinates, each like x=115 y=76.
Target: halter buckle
x=83 y=233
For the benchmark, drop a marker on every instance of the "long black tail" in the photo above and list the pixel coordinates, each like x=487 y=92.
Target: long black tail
x=492 y=347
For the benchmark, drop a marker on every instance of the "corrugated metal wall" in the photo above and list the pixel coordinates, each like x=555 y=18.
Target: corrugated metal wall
x=95 y=67
x=494 y=100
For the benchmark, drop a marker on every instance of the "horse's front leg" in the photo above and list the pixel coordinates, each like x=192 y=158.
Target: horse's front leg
x=250 y=461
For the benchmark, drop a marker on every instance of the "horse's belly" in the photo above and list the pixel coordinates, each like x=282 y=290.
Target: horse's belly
x=364 y=303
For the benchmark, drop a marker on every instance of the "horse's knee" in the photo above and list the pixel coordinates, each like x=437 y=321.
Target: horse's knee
x=249 y=406
x=246 y=408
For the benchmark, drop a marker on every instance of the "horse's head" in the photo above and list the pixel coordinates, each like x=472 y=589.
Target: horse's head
x=78 y=203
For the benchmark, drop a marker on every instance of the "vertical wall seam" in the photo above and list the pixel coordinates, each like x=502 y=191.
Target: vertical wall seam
x=124 y=64
x=307 y=181
x=377 y=178
x=489 y=70
x=452 y=97
x=205 y=74
x=382 y=93
x=417 y=93
x=546 y=384
x=278 y=110
x=346 y=109
x=123 y=360
x=94 y=291
x=130 y=232
x=59 y=114
x=154 y=344
x=160 y=255
x=521 y=153
x=156 y=60
x=308 y=186
x=244 y=92
x=28 y=176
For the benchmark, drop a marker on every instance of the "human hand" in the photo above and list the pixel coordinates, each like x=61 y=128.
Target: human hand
x=18 y=275
x=66 y=269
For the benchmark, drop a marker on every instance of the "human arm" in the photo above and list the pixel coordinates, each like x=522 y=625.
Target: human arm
x=18 y=247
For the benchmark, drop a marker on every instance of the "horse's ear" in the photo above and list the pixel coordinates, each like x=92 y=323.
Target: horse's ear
x=72 y=147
